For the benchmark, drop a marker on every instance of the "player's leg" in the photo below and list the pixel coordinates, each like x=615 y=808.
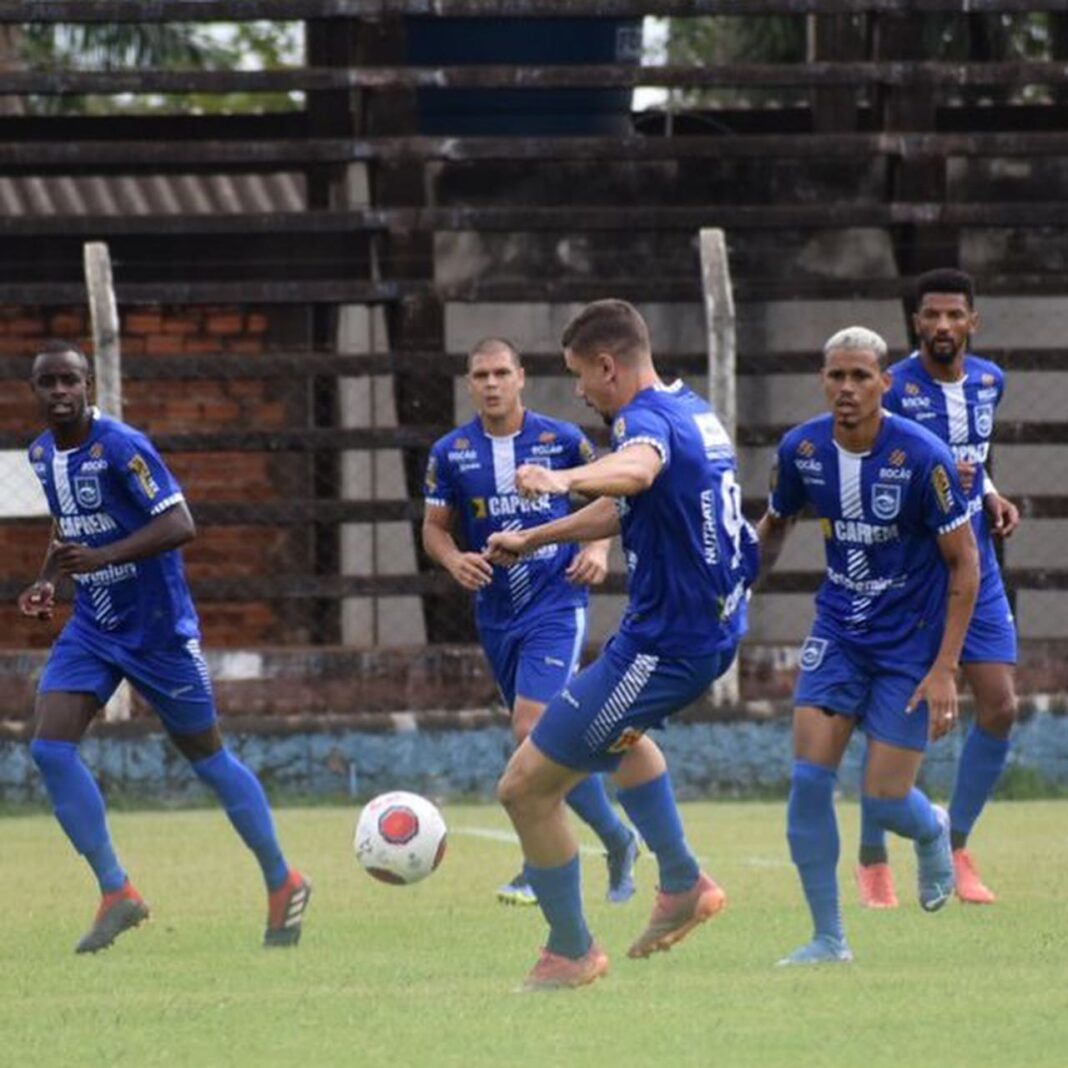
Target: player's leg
x=176 y=683
x=686 y=896
x=548 y=657
x=532 y=791
x=875 y=880
x=982 y=760
x=74 y=686
x=820 y=739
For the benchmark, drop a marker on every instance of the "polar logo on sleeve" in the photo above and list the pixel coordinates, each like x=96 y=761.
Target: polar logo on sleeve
x=812 y=653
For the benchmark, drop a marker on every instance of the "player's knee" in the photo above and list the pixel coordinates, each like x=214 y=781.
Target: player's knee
x=998 y=717
x=51 y=756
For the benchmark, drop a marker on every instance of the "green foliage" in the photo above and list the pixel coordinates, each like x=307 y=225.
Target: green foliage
x=426 y=975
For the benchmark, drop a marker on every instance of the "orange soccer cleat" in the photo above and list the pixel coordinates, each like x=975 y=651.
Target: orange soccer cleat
x=119 y=911
x=285 y=910
x=676 y=915
x=876 y=885
x=555 y=972
x=970 y=887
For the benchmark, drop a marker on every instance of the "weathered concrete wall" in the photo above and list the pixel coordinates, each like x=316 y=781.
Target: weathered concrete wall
x=706 y=759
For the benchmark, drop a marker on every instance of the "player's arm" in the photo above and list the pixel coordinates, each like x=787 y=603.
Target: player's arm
x=939 y=686
x=590 y=565
x=39 y=598
x=772 y=532
x=471 y=570
x=629 y=471
x=598 y=520
x=1003 y=515
x=168 y=530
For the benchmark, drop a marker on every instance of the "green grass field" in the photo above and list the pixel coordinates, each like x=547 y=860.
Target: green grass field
x=426 y=975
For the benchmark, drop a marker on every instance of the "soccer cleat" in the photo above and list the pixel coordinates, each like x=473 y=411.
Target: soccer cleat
x=876 y=885
x=554 y=972
x=934 y=863
x=119 y=911
x=823 y=949
x=970 y=888
x=285 y=910
x=621 y=871
x=517 y=892
x=676 y=915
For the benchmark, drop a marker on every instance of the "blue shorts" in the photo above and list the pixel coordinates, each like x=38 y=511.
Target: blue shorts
x=173 y=680
x=609 y=705
x=991 y=637
x=842 y=679
x=535 y=658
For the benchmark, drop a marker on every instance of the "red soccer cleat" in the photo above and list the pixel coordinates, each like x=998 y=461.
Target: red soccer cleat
x=119 y=911
x=676 y=915
x=970 y=888
x=876 y=885
x=554 y=972
x=285 y=910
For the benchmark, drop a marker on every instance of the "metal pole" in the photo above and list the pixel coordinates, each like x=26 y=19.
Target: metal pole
x=722 y=377
x=107 y=370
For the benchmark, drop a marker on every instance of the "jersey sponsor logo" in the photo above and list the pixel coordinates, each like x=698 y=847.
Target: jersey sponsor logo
x=984 y=420
x=546 y=437
x=900 y=474
x=812 y=653
x=986 y=394
x=87 y=491
x=628 y=739
x=107 y=576
x=509 y=504
x=897 y=458
x=806 y=448
x=729 y=605
x=709 y=537
x=94 y=465
x=546 y=450
x=865 y=587
x=923 y=417
x=478 y=508
x=463 y=456
x=912 y=389
x=857 y=533
x=80 y=526
x=971 y=454
x=885 y=500
x=910 y=404
x=461 y=444
x=941 y=485
x=143 y=474
x=812 y=467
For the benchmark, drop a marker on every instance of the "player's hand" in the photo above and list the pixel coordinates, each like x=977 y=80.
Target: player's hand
x=471 y=570
x=506 y=547
x=589 y=567
x=70 y=558
x=1004 y=516
x=38 y=601
x=939 y=689
x=966 y=474
x=532 y=480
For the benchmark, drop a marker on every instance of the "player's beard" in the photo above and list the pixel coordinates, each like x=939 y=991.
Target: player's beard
x=946 y=355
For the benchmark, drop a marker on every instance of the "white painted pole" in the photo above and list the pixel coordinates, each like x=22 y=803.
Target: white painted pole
x=722 y=377
x=107 y=370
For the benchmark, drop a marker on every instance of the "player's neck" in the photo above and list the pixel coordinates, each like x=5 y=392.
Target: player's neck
x=943 y=372
x=71 y=435
x=861 y=437
x=504 y=425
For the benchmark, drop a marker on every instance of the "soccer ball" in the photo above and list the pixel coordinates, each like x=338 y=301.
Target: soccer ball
x=400 y=837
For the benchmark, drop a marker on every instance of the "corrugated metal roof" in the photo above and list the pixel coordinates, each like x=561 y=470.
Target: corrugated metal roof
x=170 y=194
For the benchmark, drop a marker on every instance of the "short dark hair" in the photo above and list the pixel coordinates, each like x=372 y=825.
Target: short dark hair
x=495 y=344
x=612 y=326
x=945 y=280
x=56 y=344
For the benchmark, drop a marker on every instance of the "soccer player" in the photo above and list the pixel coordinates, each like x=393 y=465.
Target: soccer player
x=891 y=615
x=119 y=519
x=670 y=488
x=954 y=395
x=532 y=618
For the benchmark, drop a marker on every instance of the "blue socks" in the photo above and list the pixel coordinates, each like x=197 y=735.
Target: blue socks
x=981 y=764
x=652 y=809
x=559 y=893
x=246 y=804
x=912 y=816
x=812 y=831
x=589 y=801
x=79 y=807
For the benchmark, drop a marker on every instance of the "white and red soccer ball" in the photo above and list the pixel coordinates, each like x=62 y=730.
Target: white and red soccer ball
x=400 y=837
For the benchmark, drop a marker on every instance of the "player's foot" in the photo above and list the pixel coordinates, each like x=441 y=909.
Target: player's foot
x=676 y=915
x=285 y=910
x=517 y=892
x=876 y=885
x=119 y=911
x=970 y=887
x=823 y=949
x=621 y=870
x=934 y=863
x=554 y=972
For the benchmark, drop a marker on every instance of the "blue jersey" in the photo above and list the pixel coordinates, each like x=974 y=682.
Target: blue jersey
x=98 y=493
x=881 y=513
x=961 y=413
x=473 y=473
x=690 y=553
